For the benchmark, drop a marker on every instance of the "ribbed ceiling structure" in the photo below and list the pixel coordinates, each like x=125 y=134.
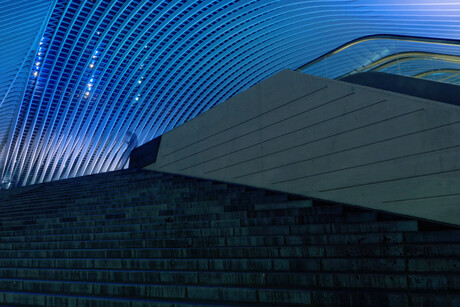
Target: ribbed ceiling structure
x=109 y=75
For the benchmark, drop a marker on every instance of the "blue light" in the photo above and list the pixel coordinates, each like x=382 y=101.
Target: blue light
x=183 y=59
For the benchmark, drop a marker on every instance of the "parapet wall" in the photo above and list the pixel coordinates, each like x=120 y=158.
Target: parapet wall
x=327 y=139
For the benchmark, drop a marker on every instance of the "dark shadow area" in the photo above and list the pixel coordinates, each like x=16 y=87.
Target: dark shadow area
x=426 y=89
x=145 y=155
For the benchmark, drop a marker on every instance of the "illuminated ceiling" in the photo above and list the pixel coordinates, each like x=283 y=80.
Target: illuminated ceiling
x=83 y=82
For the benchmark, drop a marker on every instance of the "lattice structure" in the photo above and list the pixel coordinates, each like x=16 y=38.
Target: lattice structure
x=111 y=75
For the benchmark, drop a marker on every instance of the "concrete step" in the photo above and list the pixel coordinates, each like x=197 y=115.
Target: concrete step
x=383 y=280
x=139 y=238
x=144 y=233
x=133 y=229
x=262 y=240
x=233 y=220
x=158 y=206
x=144 y=188
x=313 y=215
x=370 y=265
x=22 y=298
x=221 y=297
x=157 y=291
x=357 y=250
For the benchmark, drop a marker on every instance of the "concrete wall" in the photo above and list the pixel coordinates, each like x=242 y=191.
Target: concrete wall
x=327 y=139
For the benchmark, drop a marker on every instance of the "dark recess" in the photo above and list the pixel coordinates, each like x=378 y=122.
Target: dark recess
x=442 y=92
x=145 y=155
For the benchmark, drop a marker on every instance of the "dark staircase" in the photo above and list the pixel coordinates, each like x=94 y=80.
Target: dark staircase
x=140 y=238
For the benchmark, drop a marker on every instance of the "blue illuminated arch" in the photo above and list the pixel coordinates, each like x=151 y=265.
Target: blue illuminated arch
x=111 y=73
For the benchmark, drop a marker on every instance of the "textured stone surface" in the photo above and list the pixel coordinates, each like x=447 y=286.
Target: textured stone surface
x=138 y=238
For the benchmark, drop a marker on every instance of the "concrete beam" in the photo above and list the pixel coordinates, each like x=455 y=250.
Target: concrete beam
x=327 y=139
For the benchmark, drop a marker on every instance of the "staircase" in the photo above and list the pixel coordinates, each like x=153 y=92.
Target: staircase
x=140 y=238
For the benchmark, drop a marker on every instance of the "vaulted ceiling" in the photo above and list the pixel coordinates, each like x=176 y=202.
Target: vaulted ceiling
x=83 y=82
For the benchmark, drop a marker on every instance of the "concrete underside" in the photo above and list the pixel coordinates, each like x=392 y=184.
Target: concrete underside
x=330 y=140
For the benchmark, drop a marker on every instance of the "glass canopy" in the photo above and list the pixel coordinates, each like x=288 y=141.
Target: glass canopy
x=432 y=59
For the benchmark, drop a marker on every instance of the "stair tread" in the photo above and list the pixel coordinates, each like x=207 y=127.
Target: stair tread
x=140 y=238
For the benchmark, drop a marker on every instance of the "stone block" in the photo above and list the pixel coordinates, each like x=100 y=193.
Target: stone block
x=178 y=278
x=231 y=278
x=60 y=301
x=203 y=293
x=284 y=296
x=433 y=265
x=235 y=295
x=31 y=299
x=362 y=280
x=363 y=264
x=434 y=299
x=293 y=279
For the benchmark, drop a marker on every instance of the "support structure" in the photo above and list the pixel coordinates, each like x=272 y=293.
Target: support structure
x=327 y=139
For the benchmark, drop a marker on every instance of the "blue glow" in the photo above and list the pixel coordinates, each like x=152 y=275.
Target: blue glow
x=109 y=70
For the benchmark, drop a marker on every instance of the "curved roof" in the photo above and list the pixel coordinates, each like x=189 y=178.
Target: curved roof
x=419 y=57
x=109 y=75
